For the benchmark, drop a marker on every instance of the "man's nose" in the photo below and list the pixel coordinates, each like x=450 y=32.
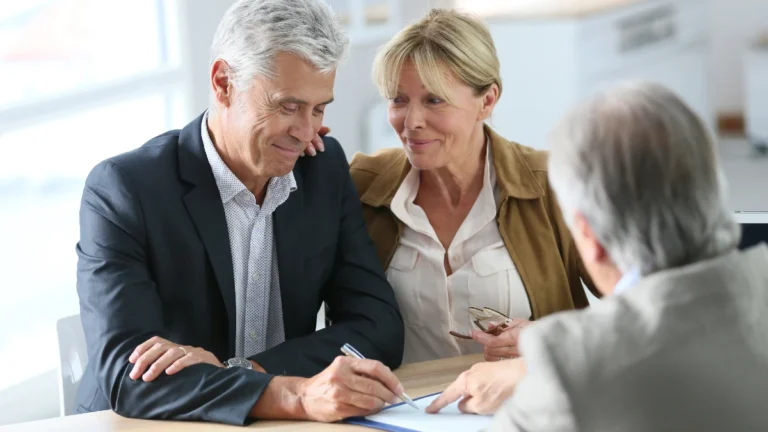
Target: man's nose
x=302 y=129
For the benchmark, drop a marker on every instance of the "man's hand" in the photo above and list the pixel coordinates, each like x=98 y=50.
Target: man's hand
x=503 y=346
x=158 y=355
x=347 y=388
x=483 y=388
x=316 y=145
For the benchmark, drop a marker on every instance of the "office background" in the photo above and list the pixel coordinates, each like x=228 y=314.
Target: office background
x=73 y=72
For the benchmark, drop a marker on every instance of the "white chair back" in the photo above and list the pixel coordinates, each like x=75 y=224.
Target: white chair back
x=73 y=357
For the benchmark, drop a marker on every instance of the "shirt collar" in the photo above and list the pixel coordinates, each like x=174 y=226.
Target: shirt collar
x=409 y=188
x=227 y=182
x=628 y=279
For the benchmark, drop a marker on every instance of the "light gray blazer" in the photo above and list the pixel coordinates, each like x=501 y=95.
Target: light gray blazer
x=682 y=350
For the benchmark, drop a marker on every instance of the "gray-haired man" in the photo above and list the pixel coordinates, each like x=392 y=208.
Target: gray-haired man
x=680 y=344
x=205 y=255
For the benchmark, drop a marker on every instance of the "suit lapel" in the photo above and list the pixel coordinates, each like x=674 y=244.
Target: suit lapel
x=287 y=222
x=203 y=203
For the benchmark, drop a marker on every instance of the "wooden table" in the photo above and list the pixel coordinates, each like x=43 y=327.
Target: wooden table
x=418 y=379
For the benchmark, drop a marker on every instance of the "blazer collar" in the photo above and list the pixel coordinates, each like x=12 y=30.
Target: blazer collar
x=206 y=210
x=514 y=176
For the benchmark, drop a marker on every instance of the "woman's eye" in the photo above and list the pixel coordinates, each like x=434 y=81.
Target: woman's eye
x=290 y=108
x=435 y=101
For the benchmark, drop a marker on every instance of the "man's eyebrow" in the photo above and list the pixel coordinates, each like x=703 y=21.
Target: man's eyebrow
x=291 y=99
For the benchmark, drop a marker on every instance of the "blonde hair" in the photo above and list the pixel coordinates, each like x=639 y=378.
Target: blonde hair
x=443 y=39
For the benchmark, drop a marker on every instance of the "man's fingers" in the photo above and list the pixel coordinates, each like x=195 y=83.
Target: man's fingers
x=376 y=370
x=466 y=405
x=148 y=359
x=324 y=130
x=371 y=387
x=475 y=405
x=453 y=393
x=162 y=363
x=343 y=410
x=183 y=362
x=141 y=349
x=366 y=402
x=196 y=356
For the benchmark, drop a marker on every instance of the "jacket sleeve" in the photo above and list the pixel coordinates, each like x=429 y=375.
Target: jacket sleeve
x=361 y=304
x=540 y=402
x=121 y=308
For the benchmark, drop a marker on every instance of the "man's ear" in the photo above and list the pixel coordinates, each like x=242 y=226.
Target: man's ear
x=591 y=248
x=221 y=82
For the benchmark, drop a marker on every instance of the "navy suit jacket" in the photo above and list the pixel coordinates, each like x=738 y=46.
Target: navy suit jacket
x=154 y=260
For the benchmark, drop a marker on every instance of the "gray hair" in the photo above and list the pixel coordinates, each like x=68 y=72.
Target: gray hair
x=643 y=170
x=253 y=32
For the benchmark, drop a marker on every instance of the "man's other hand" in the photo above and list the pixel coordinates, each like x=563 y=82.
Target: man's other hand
x=158 y=355
x=483 y=388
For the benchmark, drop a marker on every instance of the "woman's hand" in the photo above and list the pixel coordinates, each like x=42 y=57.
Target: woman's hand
x=504 y=345
x=316 y=145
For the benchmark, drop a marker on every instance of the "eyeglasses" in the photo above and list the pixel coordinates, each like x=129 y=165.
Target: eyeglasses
x=486 y=320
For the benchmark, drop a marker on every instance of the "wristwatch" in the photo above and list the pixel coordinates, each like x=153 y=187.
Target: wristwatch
x=238 y=362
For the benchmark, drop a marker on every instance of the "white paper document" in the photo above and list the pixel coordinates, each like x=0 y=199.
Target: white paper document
x=404 y=418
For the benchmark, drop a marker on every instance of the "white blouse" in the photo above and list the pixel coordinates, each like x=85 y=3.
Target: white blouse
x=433 y=303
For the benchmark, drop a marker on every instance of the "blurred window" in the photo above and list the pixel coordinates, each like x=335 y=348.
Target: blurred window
x=80 y=81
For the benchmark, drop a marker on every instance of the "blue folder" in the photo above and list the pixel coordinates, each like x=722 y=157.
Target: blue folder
x=362 y=421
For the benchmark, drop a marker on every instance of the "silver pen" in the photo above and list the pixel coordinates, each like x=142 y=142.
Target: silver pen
x=350 y=351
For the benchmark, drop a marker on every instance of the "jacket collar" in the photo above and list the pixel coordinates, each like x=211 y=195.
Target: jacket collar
x=514 y=176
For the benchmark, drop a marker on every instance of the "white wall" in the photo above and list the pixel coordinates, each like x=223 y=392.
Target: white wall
x=733 y=24
x=353 y=94
x=199 y=19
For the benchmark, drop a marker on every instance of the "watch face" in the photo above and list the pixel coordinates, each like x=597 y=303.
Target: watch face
x=239 y=362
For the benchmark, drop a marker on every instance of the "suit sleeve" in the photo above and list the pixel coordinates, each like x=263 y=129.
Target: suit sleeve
x=540 y=402
x=361 y=304
x=120 y=309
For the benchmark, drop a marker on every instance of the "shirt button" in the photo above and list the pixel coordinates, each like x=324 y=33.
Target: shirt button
x=255 y=277
x=253 y=335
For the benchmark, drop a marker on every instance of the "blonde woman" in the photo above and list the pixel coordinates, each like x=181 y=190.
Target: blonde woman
x=460 y=216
